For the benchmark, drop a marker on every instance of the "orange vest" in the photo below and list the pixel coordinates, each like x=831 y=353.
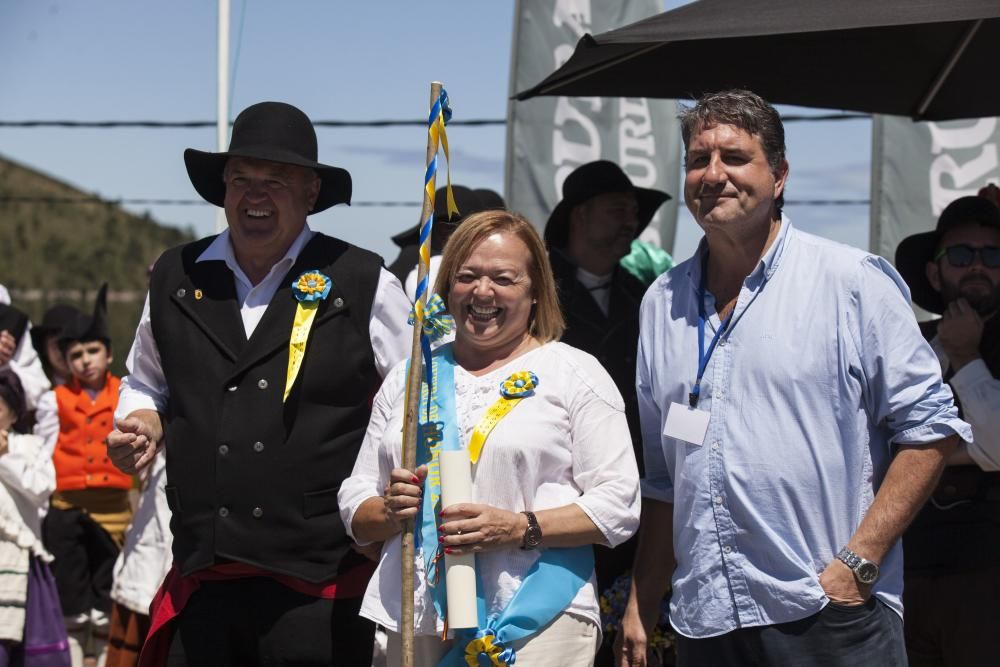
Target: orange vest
x=81 y=458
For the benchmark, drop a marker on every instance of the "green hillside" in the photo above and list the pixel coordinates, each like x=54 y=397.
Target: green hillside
x=44 y=259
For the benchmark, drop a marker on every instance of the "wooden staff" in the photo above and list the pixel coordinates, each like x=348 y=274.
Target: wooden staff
x=410 y=424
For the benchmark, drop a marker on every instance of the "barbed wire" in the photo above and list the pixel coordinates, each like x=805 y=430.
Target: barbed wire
x=17 y=199
x=474 y=122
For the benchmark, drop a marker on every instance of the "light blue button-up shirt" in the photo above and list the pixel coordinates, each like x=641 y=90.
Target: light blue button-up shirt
x=821 y=372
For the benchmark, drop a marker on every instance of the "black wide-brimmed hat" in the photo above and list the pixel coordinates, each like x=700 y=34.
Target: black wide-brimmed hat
x=468 y=202
x=915 y=251
x=590 y=180
x=272 y=131
x=55 y=319
x=89 y=327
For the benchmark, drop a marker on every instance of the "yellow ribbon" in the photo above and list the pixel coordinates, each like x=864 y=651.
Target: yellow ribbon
x=518 y=386
x=305 y=313
x=497 y=411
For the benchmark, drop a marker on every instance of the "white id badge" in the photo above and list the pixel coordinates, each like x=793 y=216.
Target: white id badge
x=686 y=423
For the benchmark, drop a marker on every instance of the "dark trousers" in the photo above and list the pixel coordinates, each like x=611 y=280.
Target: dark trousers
x=259 y=622
x=84 y=560
x=952 y=620
x=838 y=636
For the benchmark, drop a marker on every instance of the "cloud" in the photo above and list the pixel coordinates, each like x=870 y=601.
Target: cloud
x=467 y=162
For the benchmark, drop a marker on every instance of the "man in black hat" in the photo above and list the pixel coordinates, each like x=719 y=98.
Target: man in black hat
x=587 y=234
x=952 y=575
x=468 y=202
x=254 y=362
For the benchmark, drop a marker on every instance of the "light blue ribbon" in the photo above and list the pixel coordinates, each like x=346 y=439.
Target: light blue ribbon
x=437 y=431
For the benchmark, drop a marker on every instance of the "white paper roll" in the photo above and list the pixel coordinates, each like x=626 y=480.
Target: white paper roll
x=460 y=570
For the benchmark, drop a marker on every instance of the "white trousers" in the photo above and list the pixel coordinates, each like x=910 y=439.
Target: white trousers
x=568 y=641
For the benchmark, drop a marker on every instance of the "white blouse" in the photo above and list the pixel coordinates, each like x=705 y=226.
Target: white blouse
x=568 y=443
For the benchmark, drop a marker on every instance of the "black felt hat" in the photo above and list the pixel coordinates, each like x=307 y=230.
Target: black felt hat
x=89 y=327
x=915 y=251
x=272 y=131
x=590 y=180
x=13 y=321
x=55 y=319
x=468 y=202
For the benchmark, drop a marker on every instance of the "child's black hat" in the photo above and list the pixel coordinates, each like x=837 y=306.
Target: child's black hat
x=92 y=327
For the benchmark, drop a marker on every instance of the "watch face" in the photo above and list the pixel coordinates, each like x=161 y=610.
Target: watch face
x=867 y=573
x=532 y=537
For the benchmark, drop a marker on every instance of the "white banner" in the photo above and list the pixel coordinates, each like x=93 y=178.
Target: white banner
x=919 y=168
x=549 y=137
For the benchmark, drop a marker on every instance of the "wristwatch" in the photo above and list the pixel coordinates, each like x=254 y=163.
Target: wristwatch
x=532 y=534
x=865 y=571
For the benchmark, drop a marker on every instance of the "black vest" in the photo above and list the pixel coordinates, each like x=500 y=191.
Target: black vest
x=251 y=478
x=958 y=530
x=613 y=338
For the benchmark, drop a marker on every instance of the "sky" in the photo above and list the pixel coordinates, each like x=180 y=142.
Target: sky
x=135 y=60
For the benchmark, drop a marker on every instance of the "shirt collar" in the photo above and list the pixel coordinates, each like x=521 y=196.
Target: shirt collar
x=765 y=268
x=221 y=250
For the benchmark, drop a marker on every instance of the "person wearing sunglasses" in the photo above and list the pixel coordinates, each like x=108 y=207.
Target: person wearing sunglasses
x=951 y=572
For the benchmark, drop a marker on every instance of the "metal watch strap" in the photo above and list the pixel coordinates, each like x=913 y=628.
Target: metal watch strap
x=532 y=537
x=865 y=572
x=849 y=558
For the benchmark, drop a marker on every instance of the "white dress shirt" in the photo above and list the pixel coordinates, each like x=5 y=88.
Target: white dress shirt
x=979 y=393
x=568 y=443
x=146 y=387
x=598 y=286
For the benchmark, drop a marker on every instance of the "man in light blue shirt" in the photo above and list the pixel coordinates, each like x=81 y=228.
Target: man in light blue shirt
x=793 y=420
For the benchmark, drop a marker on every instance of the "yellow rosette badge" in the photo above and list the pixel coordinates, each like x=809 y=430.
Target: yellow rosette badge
x=309 y=289
x=519 y=385
x=482 y=652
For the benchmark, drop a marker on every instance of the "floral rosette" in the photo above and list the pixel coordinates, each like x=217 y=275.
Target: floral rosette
x=311 y=286
x=613 y=601
x=519 y=385
x=485 y=651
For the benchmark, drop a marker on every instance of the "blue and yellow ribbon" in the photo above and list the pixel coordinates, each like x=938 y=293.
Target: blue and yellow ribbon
x=437 y=135
x=309 y=289
x=437 y=323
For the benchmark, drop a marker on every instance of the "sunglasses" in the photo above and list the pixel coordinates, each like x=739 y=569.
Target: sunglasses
x=963 y=255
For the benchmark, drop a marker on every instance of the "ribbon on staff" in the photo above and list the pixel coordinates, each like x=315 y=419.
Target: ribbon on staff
x=438 y=118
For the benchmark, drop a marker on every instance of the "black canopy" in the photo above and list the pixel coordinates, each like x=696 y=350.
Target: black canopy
x=928 y=59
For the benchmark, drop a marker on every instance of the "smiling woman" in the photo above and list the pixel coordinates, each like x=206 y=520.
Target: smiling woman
x=552 y=466
x=495 y=278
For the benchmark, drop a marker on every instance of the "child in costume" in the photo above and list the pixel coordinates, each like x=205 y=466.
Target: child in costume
x=90 y=508
x=31 y=631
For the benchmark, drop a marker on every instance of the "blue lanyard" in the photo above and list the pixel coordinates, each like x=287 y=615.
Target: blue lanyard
x=702 y=356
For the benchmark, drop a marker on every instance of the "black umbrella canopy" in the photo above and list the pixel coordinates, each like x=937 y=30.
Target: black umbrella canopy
x=928 y=59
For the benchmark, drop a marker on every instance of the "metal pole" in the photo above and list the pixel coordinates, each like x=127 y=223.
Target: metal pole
x=222 y=97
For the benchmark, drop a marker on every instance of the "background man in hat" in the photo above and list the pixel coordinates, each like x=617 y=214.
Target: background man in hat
x=468 y=202
x=794 y=421
x=258 y=351
x=952 y=568
x=590 y=230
